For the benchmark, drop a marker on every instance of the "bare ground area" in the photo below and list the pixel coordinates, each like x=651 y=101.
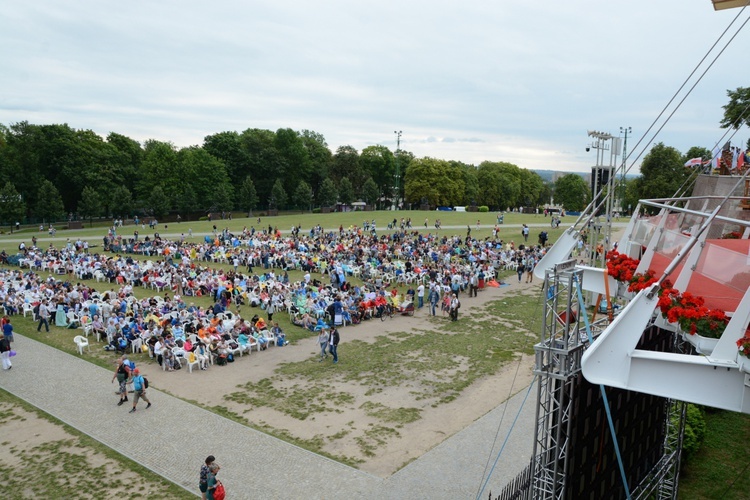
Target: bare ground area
x=41 y=459
x=379 y=427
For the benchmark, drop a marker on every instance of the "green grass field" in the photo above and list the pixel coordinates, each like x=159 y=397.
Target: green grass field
x=716 y=471
x=454 y=223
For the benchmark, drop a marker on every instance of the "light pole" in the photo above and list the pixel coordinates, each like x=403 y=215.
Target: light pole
x=626 y=131
x=398 y=173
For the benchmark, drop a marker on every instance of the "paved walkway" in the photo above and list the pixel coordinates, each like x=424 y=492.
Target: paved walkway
x=173 y=437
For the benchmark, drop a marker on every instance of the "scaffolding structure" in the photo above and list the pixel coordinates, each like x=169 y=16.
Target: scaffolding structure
x=558 y=363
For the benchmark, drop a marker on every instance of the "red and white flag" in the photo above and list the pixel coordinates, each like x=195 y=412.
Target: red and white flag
x=695 y=162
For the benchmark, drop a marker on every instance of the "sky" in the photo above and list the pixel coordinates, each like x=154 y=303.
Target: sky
x=518 y=81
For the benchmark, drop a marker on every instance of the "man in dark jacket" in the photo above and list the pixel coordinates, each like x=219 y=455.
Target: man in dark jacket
x=333 y=343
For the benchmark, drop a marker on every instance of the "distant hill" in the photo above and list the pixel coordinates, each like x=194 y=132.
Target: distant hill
x=549 y=175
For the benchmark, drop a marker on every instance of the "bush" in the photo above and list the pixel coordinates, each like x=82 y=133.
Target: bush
x=695 y=430
x=316 y=210
x=203 y=218
x=484 y=208
x=262 y=214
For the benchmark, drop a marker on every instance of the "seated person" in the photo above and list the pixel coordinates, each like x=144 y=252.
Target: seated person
x=260 y=324
x=244 y=341
x=278 y=334
x=405 y=305
x=201 y=353
x=380 y=304
x=168 y=358
x=261 y=339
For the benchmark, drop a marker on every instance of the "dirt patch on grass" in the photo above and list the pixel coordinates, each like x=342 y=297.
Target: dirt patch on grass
x=401 y=386
x=41 y=459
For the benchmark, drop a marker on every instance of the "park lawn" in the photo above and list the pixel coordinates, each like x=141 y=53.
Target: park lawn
x=719 y=468
x=330 y=222
x=44 y=458
x=434 y=366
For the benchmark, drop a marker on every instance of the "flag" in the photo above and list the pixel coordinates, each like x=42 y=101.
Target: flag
x=695 y=162
x=735 y=156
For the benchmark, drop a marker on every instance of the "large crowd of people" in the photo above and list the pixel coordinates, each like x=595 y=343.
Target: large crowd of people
x=432 y=271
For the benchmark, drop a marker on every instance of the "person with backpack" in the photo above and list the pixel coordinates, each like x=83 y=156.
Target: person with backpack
x=203 y=481
x=122 y=372
x=140 y=384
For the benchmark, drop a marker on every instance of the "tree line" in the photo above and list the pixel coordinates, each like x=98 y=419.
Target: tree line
x=49 y=171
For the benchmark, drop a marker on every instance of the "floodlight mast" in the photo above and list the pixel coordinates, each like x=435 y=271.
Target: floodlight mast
x=398 y=173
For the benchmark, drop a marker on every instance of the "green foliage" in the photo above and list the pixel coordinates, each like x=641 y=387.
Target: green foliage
x=12 y=207
x=695 y=430
x=49 y=203
x=303 y=196
x=247 y=197
x=328 y=194
x=662 y=172
x=228 y=148
x=296 y=163
x=471 y=185
x=484 y=208
x=572 y=192
x=90 y=205
x=122 y=202
x=718 y=469
x=500 y=184
x=278 y=195
x=379 y=166
x=206 y=177
x=436 y=182
x=370 y=192
x=346 y=164
x=158 y=203
x=346 y=191
x=735 y=111
x=187 y=200
x=161 y=168
x=316 y=210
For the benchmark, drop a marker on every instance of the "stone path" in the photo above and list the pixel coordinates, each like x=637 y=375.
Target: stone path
x=173 y=437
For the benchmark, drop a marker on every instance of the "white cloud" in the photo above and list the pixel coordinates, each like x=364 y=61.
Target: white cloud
x=469 y=81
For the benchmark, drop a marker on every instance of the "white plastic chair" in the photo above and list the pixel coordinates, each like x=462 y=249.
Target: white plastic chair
x=81 y=342
x=193 y=363
x=28 y=308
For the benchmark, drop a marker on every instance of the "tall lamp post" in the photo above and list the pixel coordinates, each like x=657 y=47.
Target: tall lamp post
x=626 y=131
x=398 y=172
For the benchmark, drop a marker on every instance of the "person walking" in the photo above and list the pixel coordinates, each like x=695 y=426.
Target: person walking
x=203 y=481
x=473 y=285
x=333 y=343
x=139 y=390
x=434 y=298
x=7 y=329
x=122 y=372
x=212 y=483
x=43 y=317
x=5 y=352
x=455 y=305
x=323 y=343
x=420 y=296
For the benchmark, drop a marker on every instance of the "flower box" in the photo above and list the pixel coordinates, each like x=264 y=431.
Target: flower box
x=703 y=345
